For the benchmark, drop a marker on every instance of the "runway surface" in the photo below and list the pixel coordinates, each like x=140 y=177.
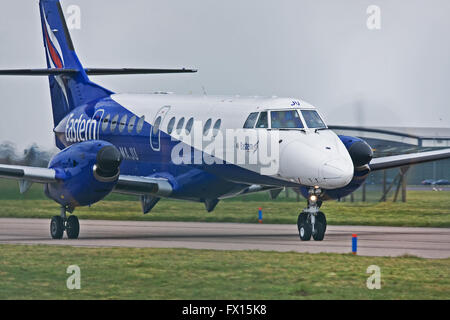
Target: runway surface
x=372 y=241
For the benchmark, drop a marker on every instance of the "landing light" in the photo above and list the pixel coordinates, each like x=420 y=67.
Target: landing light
x=314 y=193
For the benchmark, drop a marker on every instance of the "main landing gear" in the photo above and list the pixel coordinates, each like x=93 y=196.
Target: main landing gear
x=311 y=221
x=60 y=223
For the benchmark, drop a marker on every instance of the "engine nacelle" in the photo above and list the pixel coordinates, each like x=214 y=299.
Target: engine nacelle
x=88 y=172
x=359 y=150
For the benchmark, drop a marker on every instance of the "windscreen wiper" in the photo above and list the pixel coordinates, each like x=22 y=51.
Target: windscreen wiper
x=289 y=129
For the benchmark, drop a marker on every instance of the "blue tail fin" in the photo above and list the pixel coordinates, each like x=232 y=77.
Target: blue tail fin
x=68 y=90
x=69 y=83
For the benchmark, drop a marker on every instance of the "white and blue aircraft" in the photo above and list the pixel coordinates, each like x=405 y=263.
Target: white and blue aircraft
x=126 y=143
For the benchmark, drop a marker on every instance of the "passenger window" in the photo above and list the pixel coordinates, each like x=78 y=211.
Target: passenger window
x=114 y=122
x=123 y=122
x=189 y=125
x=105 y=122
x=207 y=127
x=262 y=121
x=250 y=122
x=170 y=125
x=140 y=124
x=216 y=127
x=180 y=125
x=131 y=124
x=156 y=125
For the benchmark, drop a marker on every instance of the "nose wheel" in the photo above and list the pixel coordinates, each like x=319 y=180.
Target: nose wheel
x=61 y=223
x=311 y=222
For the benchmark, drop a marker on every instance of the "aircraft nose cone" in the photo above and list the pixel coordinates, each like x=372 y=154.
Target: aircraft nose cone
x=108 y=160
x=337 y=173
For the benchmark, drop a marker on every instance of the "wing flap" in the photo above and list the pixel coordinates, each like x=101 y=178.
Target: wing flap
x=250 y=189
x=143 y=186
x=408 y=159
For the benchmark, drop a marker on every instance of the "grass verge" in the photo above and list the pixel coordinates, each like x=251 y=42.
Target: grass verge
x=39 y=272
x=430 y=210
x=423 y=209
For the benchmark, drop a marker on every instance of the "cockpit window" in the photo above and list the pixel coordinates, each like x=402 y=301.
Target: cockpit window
x=262 y=121
x=313 y=119
x=287 y=119
x=250 y=122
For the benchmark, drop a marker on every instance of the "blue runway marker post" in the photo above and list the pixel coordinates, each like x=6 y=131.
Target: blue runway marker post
x=260 y=215
x=354 y=243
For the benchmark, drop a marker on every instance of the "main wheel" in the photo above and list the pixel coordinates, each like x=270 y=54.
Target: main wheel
x=72 y=227
x=320 y=226
x=57 y=227
x=304 y=227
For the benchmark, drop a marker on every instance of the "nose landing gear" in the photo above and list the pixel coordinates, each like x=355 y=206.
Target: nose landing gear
x=311 y=221
x=60 y=223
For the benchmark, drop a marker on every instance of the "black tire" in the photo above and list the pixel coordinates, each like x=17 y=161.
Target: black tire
x=321 y=217
x=320 y=227
x=72 y=227
x=57 y=227
x=304 y=227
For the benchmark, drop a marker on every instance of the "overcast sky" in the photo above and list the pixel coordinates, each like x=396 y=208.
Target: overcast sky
x=318 y=50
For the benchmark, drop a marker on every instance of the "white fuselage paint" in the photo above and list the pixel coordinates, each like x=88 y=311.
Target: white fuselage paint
x=308 y=157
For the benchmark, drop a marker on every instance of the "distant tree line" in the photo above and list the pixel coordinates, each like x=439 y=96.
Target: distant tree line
x=31 y=156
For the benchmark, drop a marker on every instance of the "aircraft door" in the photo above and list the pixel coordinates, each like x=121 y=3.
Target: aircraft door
x=155 y=132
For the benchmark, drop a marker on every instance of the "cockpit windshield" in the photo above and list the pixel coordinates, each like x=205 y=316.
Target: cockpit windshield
x=286 y=119
x=262 y=121
x=251 y=120
x=313 y=119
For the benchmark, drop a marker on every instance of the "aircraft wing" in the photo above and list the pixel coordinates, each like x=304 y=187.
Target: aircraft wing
x=32 y=174
x=408 y=159
x=27 y=175
x=126 y=184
